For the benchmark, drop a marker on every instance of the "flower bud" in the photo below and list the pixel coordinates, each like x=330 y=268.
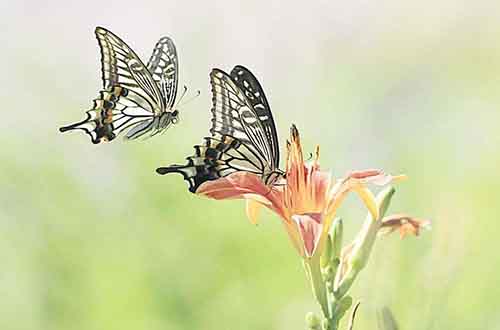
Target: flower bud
x=326 y=325
x=384 y=200
x=363 y=244
x=328 y=273
x=336 y=238
x=313 y=322
x=326 y=256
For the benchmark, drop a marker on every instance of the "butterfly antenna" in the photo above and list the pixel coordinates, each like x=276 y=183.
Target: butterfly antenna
x=198 y=93
x=184 y=91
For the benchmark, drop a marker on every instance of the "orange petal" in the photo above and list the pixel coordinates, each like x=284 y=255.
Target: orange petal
x=253 y=209
x=376 y=177
x=235 y=185
x=244 y=185
x=367 y=196
x=356 y=181
x=310 y=229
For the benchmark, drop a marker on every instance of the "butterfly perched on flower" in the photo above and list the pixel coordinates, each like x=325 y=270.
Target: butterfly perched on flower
x=243 y=133
x=136 y=99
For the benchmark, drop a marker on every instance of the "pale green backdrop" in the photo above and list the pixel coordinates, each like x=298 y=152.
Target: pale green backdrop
x=91 y=238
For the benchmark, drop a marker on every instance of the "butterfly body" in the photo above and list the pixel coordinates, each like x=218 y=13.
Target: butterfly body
x=136 y=99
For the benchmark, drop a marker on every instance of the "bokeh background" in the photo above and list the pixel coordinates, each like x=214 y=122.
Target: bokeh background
x=91 y=238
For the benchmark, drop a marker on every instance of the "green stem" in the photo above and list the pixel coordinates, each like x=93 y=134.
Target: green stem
x=318 y=285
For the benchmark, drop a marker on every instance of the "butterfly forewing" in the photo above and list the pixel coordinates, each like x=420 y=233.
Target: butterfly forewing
x=233 y=114
x=121 y=66
x=254 y=94
x=163 y=65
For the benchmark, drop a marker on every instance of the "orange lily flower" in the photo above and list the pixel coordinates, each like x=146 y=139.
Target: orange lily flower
x=306 y=200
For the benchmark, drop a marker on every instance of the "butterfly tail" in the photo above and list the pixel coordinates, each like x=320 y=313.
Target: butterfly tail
x=205 y=165
x=194 y=174
x=99 y=122
x=78 y=125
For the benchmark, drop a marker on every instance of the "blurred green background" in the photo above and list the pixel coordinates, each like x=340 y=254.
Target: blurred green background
x=91 y=238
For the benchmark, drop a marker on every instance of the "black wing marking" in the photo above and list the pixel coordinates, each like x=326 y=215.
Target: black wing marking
x=254 y=93
x=217 y=157
x=163 y=65
x=233 y=114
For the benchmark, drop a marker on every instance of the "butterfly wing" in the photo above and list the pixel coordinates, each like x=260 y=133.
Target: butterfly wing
x=217 y=157
x=131 y=99
x=163 y=65
x=254 y=94
x=234 y=115
x=121 y=66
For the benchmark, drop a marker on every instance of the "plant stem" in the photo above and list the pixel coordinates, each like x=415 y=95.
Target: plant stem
x=314 y=269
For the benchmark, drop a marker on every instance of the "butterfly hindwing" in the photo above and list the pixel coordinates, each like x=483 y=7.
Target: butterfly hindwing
x=217 y=157
x=133 y=100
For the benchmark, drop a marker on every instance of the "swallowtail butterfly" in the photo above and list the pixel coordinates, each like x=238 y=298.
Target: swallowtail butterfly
x=136 y=99
x=243 y=133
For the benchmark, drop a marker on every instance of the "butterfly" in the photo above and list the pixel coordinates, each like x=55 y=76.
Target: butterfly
x=136 y=99
x=243 y=133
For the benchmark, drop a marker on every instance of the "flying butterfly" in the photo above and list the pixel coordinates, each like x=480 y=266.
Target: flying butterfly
x=243 y=133
x=136 y=99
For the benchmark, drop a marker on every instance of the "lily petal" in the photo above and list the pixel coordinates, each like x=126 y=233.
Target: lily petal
x=235 y=185
x=367 y=196
x=376 y=177
x=253 y=209
x=310 y=229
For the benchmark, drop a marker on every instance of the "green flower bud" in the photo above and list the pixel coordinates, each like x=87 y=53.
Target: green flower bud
x=326 y=325
x=327 y=252
x=328 y=273
x=364 y=242
x=336 y=234
x=312 y=321
x=384 y=200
